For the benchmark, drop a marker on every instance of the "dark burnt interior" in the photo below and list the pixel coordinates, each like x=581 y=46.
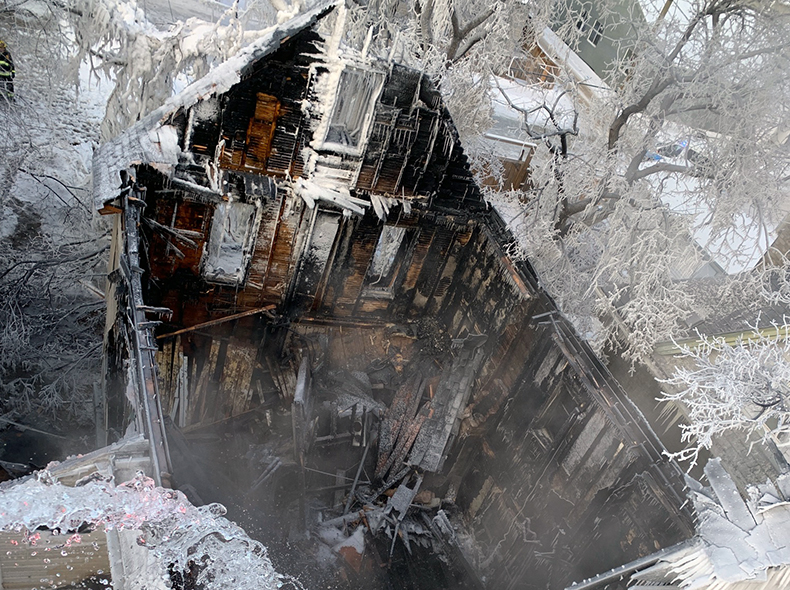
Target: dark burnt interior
x=539 y=475
x=395 y=403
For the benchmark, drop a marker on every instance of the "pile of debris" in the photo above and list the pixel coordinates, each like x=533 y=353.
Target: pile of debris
x=412 y=435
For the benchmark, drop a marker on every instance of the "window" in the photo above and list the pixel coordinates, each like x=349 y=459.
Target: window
x=386 y=250
x=581 y=22
x=596 y=33
x=388 y=259
x=356 y=95
x=230 y=243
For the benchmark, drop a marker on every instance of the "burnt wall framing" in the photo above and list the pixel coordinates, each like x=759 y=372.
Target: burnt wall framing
x=548 y=440
x=559 y=475
x=130 y=342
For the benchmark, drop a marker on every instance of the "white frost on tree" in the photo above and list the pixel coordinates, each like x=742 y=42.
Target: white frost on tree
x=743 y=386
x=145 y=63
x=685 y=146
x=683 y=142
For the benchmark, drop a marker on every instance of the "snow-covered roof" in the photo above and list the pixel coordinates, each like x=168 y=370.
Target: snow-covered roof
x=153 y=141
x=591 y=86
x=529 y=98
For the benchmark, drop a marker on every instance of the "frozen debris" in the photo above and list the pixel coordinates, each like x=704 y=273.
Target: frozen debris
x=347 y=401
x=442 y=523
x=739 y=544
x=176 y=532
x=447 y=405
x=783 y=483
x=335 y=193
x=400 y=426
x=401 y=500
x=383 y=203
x=728 y=495
x=352 y=548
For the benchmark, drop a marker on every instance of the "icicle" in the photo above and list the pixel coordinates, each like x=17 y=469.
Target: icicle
x=379 y=206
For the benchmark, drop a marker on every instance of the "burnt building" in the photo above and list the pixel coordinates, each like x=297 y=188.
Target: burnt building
x=313 y=318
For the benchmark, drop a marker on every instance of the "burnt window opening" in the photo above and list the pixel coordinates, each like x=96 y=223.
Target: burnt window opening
x=596 y=33
x=389 y=257
x=203 y=127
x=251 y=150
x=230 y=243
x=356 y=96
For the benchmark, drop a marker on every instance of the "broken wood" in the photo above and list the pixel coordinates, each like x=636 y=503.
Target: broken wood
x=23 y=427
x=181 y=235
x=267 y=473
x=110 y=210
x=356 y=479
x=235 y=316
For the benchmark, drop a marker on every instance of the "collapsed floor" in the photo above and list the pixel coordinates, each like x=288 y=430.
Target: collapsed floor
x=338 y=493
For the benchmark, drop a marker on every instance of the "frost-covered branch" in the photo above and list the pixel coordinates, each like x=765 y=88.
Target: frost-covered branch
x=674 y=160
x=745 y=386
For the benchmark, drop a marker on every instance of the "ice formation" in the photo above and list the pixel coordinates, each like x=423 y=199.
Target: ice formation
x=187 y=538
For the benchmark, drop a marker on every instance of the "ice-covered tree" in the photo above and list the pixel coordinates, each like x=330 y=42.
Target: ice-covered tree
x=52 y=257
x=685 y=147
x=744 y=385
x=148 y=65
x=682 y=145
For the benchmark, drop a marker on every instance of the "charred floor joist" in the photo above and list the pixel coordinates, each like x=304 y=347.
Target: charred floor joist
x=350 y=360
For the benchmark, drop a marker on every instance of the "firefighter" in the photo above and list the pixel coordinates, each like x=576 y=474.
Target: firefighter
x=7 y=72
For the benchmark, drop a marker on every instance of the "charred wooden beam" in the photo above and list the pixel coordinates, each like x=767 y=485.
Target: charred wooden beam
x=218 y=321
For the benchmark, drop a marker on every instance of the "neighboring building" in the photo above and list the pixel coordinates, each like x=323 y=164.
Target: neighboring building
x=779 y=251
x=536 y=75
x=605 y=36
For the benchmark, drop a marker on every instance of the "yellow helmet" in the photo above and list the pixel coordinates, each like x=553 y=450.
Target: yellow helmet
x=2 y=45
